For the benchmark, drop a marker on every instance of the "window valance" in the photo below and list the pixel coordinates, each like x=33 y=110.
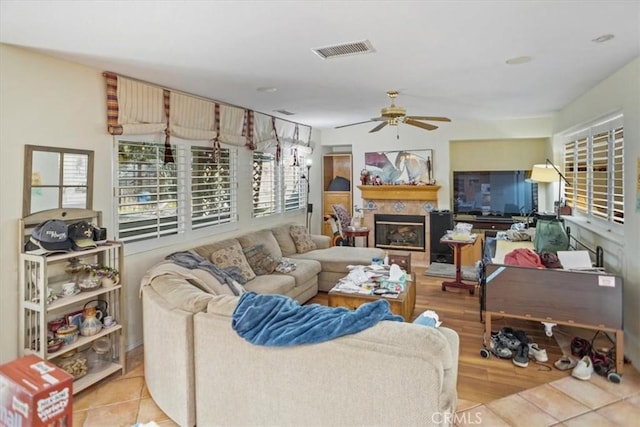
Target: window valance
x=268 y=132
x=135 y=107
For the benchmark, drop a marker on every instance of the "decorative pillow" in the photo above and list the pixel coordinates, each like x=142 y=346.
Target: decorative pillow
x=232 y=256
x=343 y=216
x=302 y=239
x=260 y=260
x=282 y=235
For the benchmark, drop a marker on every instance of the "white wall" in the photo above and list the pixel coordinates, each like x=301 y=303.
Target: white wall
x=621 y=91
x=48 y=102
x=51 y=102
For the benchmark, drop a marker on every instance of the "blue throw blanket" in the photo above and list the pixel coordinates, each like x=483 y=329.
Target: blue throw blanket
x=276 y=320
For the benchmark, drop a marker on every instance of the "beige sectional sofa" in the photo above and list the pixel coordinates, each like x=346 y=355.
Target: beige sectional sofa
x=199 y=371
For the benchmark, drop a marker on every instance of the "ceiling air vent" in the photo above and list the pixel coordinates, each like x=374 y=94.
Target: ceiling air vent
x=346 y=49
x=284 y=112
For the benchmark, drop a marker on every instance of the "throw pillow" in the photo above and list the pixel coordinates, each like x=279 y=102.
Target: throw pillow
x=260 y=260
x=283 y=237
x=302 y=239
x=232 y=256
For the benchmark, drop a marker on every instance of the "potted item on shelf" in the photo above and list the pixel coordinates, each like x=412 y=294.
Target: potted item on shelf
x=93 y=275
x=54 y=344
x=68 y=334
x=91 y=324
x=99 y=356
x=74 y=363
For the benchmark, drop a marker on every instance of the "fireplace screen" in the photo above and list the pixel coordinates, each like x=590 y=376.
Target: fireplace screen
x=404 y=232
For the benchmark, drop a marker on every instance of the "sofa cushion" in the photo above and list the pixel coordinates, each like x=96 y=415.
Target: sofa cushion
x=205 y=251
x=197 y=277
x=302 y=239
x=181 y=294
x=305 y=270
x=232 y=256
x=285 y=241
x=271 y=284
x=337 y=258
x=262 y=237
x=222 y=305
x=260 y=260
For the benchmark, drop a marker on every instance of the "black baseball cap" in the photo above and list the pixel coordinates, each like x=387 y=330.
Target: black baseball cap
x=81 y=234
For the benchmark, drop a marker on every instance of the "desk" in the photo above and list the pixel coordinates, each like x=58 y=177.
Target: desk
x=457 y=246
x=351 y=233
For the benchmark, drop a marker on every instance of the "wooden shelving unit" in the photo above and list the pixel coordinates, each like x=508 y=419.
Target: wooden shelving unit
x=37 y=273
x=336 y=165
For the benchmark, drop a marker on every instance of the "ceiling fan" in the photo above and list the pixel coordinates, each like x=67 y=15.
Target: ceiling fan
x=393 y=114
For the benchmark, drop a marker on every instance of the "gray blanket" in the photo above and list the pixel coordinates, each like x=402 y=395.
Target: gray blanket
x=192 y=261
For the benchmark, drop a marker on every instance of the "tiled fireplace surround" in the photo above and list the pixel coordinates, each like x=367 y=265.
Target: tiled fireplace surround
x=401 y=200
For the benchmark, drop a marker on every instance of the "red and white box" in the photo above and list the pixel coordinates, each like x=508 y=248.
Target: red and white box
x=34 y=392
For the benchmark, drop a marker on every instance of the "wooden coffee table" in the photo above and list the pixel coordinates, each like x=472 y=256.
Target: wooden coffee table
x=403 y=305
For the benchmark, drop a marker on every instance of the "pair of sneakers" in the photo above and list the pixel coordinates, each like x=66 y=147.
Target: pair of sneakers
x=528 y=351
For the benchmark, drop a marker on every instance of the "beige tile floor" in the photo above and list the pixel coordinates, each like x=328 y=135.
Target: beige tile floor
x=119 y=401
x=568 y=402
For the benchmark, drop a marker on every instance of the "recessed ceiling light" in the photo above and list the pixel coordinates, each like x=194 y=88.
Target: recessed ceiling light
x=603 y=38
x=268 y=89
x=518 y=60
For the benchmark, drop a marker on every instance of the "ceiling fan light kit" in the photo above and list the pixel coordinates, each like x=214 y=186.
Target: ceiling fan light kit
x=393 y=115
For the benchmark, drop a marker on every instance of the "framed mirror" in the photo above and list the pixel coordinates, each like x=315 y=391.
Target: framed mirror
x=57 y=178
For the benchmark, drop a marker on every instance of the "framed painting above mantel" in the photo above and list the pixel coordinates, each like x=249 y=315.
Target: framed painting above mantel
x=398 y=167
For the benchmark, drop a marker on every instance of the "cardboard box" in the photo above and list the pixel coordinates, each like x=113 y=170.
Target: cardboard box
x=34 y=392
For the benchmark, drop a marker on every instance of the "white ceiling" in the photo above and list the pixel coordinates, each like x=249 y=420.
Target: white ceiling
x=446 y=58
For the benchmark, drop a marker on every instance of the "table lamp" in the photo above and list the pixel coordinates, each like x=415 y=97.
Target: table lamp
x=548 y=173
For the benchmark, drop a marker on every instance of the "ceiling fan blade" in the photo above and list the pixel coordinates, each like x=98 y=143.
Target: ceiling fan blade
x=413 y=122
x=430 y=118
x=380 y=126
x=352 y=124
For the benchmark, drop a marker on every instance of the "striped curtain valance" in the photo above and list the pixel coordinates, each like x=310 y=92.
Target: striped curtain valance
x=288 y=133
x=133 y=107
x=233 y=125
x=192 y=118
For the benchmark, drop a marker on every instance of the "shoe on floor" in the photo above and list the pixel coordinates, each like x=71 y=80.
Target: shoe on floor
x=521 y=336
x=565 y=363
x=538 y=353
x=580 y=347
x=583 y=369
x=498 y=349
x=508 y=339
x=521 y=358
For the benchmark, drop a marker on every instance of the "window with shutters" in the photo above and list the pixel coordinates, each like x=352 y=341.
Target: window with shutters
x=155 y=199
x=265 y=191
x=295 y=187
x=594 y=166
x=278 y=188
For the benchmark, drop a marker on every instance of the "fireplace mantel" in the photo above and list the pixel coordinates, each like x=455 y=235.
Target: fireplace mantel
x=400 y=192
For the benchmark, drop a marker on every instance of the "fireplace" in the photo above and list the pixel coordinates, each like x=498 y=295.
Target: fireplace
x=404 y=232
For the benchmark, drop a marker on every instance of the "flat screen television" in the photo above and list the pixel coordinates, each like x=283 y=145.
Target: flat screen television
x=494 y=193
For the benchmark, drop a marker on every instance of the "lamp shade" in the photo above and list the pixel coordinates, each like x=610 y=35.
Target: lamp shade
x=544 y=173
